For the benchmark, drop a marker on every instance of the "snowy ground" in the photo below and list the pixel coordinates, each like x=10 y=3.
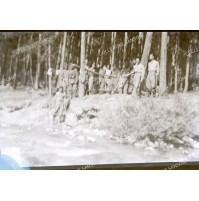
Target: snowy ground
x=99 y=129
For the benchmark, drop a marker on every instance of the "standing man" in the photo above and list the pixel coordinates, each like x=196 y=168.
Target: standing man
x=72 y=80
x=115 y=75
x=108 y=73
x=123 y=81
x=126 y=80
x=91 y=74
x=96 y=79
x=138 y=69
x=50 y=74
x=153 y=73
x=85 y=78
x=65 y=78
x=101 y=80
x=131 y=78
x=118 y=85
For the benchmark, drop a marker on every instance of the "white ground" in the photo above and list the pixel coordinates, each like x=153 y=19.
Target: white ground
x=27 y=133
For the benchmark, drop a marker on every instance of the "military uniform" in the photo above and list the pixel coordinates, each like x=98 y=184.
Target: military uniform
x=65 y=80
x=91 y=76
x=123 y=82
x=153 y=71
x=116 y=74
x=54 y=85
x=72 y=81
x=138 y=77
x=59 y=74
x=108 y=80
x=96 y=81
x=101 y=80
x=131 y=84
x=86 y=80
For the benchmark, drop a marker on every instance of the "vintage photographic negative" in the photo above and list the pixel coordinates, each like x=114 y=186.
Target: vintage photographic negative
x=88 y=98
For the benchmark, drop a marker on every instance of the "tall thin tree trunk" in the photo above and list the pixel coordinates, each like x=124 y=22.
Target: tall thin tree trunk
x=25 y=71
x=70 y=49
x=59 y=57
x=0 y=66
x=58 y=64
x=145 y=56
x=163 y=63
x=31 y=73
x=140 y=44
x=91 y=47
x=28 y=65
x=103 y=46
x=111 y=45
x=2 y=61
x=82 y=64
x=98 y=56
x=113 y=49
x=3 y=68
x=37 y=77
x=132 y=48
x=147 y=48
x=171 y=81
x=176 y=79
x=10 y=68
x=176 y=63
x=88 y=44
x=125 y=47
x=49 y=66
x=187 y=70
x=16 y=66
x=49 y=55
x=63 y=54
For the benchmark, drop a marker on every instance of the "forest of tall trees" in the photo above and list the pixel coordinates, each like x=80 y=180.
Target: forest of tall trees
x=75 y=97
x=174 y=51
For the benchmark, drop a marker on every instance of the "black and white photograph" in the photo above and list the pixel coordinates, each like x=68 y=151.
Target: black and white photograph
x=71 y=98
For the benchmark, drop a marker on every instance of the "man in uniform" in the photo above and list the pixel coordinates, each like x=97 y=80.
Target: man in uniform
x=102 y=80
x=153 y=73
x=65 y=78
x=139 y=70
x=123 y=82
x=62 y=78
x=96 y=79
x=115 y=75
x=72 y=80
x=126 y=80
x=118 y=81
x=107 y=77
x=131 y=77
x=86 y=77
x=91 y=74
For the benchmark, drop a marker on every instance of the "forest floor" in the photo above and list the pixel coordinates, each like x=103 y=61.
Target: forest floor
x=99 y=129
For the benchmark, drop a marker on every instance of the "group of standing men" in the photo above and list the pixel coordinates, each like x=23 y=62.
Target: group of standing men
x=109 y=79
x=151 y=79
x=124 y=80
x=104 y=79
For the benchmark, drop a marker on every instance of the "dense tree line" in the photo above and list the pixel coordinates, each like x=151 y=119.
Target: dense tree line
x=174 y=51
